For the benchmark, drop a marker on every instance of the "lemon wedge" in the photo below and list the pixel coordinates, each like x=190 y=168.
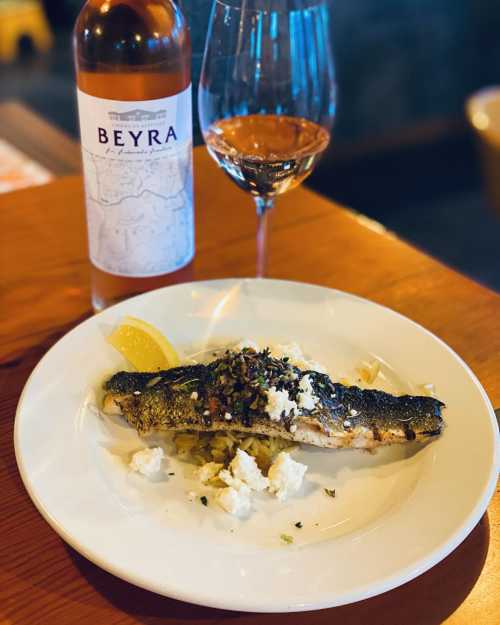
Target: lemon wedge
x=143 y=345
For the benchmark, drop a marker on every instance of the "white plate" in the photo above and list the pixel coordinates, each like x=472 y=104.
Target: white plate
x=397 y=512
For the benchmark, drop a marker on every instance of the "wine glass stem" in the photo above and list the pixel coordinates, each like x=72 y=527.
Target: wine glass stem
x=264 y=205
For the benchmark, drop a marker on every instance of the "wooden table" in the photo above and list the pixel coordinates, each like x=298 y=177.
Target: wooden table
x=35 y=137
x=44 y=292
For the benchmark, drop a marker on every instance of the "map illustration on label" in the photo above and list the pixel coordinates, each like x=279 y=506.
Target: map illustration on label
x=137 y=161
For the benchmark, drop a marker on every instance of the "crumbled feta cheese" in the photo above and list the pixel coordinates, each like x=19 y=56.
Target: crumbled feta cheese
x=234 y=501
x=194 y=395
x=347 y=424
x=243 y=467
x=147 y=461
x=226 y=476
x=208 y=471
x=243 y=476
x=206 y=413
x=228 y=416
x=278 y=403
x=293 y=352
x=285 y=475
x=306 y=398
x=246 y=344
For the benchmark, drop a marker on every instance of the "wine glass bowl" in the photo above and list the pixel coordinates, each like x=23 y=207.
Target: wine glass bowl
x=266 y=98
x=266 y=154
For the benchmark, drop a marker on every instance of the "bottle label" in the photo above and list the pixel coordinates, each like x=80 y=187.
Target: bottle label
x=138 y=169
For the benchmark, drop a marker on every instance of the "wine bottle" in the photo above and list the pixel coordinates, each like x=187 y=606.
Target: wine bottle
x=133 y=70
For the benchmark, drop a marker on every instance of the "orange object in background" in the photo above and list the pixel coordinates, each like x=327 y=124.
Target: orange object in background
x=22 y=18
x=18 y=171
x=483 y=112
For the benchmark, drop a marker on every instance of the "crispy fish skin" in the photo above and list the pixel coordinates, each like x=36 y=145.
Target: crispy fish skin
x=230 y=393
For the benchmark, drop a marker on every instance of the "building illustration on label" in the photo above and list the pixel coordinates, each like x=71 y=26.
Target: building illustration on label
x=140 y=219
x=137 y=160
x=137 y=115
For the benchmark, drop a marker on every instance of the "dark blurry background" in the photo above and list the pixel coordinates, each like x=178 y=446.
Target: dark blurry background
x=402 y=151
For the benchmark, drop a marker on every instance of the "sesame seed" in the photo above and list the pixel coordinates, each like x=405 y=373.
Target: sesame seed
x=137 y=392
x=347 y=424
x=194 y=395
x=293 y=428
x=206 y=413
x=353 y=413
x=228 y=416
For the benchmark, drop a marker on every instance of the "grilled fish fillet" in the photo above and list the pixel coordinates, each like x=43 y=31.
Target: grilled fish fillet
x=231 y=393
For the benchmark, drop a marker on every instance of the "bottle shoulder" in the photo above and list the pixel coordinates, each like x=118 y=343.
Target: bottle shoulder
x=130 y=32
x=132 y=50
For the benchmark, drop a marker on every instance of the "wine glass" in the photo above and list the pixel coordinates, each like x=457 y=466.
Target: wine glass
x=267 y=96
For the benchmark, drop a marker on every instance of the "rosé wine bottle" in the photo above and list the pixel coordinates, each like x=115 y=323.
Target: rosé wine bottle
x=133 y=69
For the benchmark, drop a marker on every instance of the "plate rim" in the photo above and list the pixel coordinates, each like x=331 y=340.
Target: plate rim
x=196 y=597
